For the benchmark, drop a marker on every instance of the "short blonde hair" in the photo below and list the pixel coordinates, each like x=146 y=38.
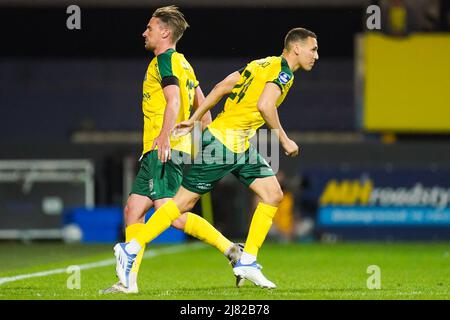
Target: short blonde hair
x=174 y=19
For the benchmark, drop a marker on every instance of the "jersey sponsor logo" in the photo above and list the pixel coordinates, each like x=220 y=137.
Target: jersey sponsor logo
x=283 y=77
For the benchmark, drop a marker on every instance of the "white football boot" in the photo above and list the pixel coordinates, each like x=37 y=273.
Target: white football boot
x=124 y=262
x=119 y=287
x=252 y=272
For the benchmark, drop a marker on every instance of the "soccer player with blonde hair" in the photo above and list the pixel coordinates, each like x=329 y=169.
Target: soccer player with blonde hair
x=170 y=91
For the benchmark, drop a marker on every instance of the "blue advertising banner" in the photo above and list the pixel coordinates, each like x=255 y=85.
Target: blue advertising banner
x=380 y=198
x=377 y=216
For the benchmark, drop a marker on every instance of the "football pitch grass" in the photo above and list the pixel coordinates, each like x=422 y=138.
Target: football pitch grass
x=199 y=272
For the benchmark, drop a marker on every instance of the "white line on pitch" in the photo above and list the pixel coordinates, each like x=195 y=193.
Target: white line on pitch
x=104 y=263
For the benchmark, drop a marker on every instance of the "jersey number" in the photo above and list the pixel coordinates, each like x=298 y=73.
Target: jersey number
x=239 y=90
x=190 y=85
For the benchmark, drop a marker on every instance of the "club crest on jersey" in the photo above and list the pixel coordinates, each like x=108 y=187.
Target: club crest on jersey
x=283 y=77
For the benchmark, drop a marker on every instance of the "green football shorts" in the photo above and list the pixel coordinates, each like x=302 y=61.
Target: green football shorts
x=157 y=180
x=214 y=161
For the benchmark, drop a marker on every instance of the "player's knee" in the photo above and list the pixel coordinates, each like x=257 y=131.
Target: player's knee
x=131 y=214
x=273 y=196
x=278 y=197
x=127 y=212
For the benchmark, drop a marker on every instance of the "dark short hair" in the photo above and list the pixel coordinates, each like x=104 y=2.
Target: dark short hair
x=174 y=19
x=297 y=34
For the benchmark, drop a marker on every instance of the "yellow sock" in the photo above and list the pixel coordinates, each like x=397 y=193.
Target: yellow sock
x=158 y=222
x=261 y=223
x=131 y=232
x=198 y=227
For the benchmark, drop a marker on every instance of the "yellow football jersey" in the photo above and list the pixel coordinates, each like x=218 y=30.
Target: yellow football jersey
x=167 y=68
x=240 y=119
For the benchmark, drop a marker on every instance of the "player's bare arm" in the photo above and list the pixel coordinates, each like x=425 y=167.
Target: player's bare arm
x=217 y=93
x=172 y=96
x=267 y=108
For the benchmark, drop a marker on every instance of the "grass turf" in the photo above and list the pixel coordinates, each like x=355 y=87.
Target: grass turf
x=301 y=271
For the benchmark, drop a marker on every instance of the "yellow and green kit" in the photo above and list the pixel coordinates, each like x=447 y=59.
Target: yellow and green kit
x=155 y=179
x=227 y=137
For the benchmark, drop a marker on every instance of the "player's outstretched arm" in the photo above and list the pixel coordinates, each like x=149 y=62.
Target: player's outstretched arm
x=221 y=89
x=172 y=95
x=267 y=108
